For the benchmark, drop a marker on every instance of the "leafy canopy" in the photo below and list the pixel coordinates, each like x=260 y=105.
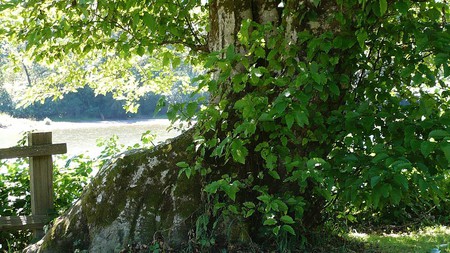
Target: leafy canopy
x=350 y=117
x=111 y=46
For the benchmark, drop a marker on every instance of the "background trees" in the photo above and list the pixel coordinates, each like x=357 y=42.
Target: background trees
x=39 y=90
x=316 y=110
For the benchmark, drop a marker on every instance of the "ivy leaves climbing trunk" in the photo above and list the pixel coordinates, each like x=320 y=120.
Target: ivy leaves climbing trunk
x=263 y=140
x=301 y=96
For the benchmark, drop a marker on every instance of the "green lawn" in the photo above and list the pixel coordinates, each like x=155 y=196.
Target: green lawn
x=420 y=241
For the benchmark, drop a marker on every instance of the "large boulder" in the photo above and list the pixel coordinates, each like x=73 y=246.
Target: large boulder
x=136 y=197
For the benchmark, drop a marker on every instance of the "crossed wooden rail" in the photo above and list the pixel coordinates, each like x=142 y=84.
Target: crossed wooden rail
x=40 y=150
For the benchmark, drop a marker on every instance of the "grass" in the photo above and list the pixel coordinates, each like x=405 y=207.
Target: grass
x=420 y=241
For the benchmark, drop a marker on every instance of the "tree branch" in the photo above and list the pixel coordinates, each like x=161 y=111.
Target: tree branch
x=27 y=74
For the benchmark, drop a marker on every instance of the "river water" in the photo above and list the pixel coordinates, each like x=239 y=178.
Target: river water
x=81 y=136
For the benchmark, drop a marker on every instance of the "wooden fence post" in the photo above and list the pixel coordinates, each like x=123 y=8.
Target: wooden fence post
x=40 y=150
x=41 y=179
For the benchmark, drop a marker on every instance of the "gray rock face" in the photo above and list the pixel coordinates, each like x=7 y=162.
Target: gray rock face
x=136 y=197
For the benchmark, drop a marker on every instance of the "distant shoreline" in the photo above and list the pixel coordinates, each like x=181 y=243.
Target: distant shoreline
x=20 y=124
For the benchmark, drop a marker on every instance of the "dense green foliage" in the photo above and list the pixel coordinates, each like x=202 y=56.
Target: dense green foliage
x=345 y=115
x=346 y=123
x=15 y=198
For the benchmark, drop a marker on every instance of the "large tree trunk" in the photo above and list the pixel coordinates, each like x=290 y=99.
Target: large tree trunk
x=138 y=197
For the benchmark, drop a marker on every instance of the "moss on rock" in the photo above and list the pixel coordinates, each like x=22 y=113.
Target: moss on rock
x=136 y=197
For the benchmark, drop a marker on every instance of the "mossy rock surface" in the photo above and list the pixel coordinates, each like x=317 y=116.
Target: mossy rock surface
x=136 y=197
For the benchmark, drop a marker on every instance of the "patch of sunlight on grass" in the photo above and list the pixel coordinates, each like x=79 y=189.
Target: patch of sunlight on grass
x=420 y=241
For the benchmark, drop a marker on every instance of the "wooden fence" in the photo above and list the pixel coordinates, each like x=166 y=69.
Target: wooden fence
x=40 y=150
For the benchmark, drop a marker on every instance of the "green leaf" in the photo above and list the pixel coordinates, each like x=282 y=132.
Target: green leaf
x=287 y=219
x=396 y=197
x=140 y=51
x=440 y=59
x=230 y=52
x=176 y=61
x=401 y=181
x=402 y=7
x=238 y=151
x=191 y=109
x=375 y=197
x=233 y=209
x=279 y=107
x=288 y=229
x=274 y=174
x=274 y=206
x=182 y=164
x=401 y=164
x=264 y=198
x=386 y=189
x=362 y=37
x=249 y=204
x=320 y=79
x=166 y=59
x=159 y=105
x=426 y=148
x=316 y=3
x=188 y=172
x=212 y=187
x=265 y=117
x=374 y=181
x=281 y=205
x=446 y=149
x=149 y=21
x=438 y=134
x=276 y=230
x=312 y=163
x=383 y=6
x=351 y=218
x=231 y=191
x=260 y=53
x=211 y=61
x=249 y=213
x=334 y=89
x=239 y=81
x=301 y=118
x=423 y=185
x=174 y=30
x=433 y=14
x=272 y=54
x=243 y=33
x=338 y=42
x=270 y=222
x=219 y=206
x=289 y=120
x=380 y=157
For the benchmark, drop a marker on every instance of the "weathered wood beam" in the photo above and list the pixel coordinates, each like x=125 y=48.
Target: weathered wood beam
x=23 y=222
x=32 y=151
x=41 y=178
